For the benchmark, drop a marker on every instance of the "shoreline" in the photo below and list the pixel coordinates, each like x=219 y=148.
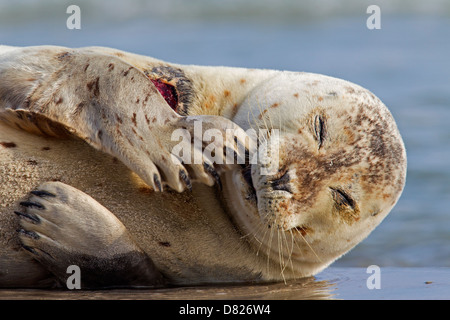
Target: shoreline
x=333 y=283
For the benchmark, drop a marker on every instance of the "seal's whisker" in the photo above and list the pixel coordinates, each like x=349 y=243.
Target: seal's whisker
x=281 y=254
x=307 y=243
x=292 y=252
x=259 y=241
x=297 y=245
x=248 y=119
x=269 y=247
x=269 y=115
x=295 y=241
x=261 y=228
x=309 y=100
x=261 y=114
x=250 y=110
x=254 y=234
x=250 y=123
x=268 y=112
x=255 y=121
x=279 y=124
x=279 y=246
x=263 y=138
x=281 y=241
x=266 y=233
x=248 y=235
x=289 y=250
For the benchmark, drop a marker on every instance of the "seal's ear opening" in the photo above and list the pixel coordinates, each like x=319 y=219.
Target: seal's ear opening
x=168 y=92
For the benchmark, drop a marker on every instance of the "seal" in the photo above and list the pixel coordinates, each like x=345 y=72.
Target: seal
x=86 y=151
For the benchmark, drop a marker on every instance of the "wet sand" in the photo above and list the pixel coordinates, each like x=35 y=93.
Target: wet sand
x=333 y=283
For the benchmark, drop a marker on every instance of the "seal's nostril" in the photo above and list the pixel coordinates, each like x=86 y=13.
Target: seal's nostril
x=282 y=183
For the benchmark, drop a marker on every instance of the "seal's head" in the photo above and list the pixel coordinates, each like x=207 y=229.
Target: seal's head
x=340 y=168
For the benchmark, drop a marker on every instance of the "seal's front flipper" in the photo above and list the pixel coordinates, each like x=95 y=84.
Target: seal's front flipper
x=62 y=226
x=109 y=103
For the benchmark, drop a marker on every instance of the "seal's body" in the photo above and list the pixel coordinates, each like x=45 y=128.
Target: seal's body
x=85 y=149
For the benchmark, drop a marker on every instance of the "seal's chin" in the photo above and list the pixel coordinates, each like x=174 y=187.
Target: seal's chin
x=280 y=256
x=251 y=201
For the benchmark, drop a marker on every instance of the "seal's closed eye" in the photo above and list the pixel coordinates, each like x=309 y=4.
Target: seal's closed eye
x=342 y=199
x=320 y=129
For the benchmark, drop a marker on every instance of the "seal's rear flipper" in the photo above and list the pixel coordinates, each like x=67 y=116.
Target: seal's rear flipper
x=62 y=227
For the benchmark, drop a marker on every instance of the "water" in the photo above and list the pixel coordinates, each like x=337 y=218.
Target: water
x=406 y=64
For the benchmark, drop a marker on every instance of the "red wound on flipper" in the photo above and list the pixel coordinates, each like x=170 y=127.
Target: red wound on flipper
x=168 y=92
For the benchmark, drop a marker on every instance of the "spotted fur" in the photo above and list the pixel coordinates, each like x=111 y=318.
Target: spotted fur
x=342 y=168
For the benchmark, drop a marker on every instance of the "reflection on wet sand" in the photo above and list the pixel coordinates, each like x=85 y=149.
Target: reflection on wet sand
x=303 y=289
x=331 y=284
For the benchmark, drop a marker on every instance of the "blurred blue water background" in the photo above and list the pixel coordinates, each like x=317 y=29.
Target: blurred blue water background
x=406 y=63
